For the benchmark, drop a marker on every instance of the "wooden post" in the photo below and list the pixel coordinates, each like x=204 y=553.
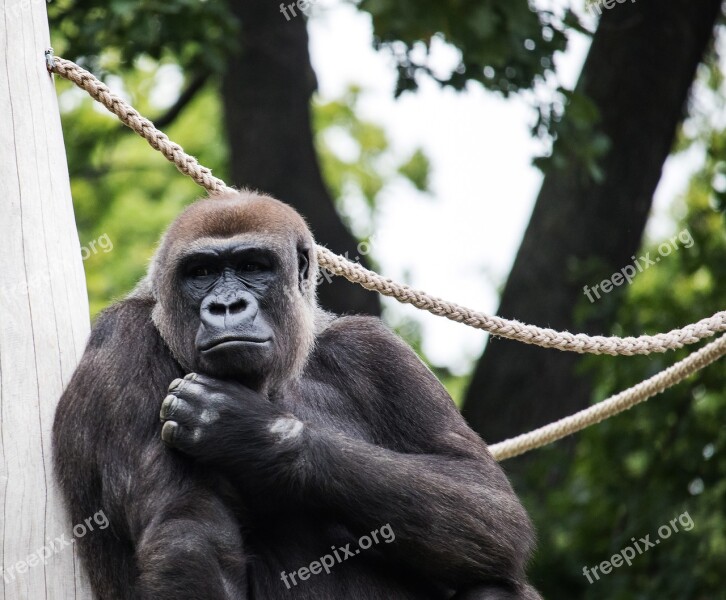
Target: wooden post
x=43 y=313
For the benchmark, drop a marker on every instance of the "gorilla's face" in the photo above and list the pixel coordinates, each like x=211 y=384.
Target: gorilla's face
x=232 y=286
x=234 y=298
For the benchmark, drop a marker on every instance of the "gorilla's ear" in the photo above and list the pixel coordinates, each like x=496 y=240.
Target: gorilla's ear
x=303 y=264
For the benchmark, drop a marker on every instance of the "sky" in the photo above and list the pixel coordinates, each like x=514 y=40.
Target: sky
x=459 y=242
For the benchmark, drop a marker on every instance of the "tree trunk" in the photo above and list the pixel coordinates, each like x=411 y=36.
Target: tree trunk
x=639 y=71
x=44 y=312
x=267 y=90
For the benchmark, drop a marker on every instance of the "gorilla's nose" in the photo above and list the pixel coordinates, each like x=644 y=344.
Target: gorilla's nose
x=228 y=311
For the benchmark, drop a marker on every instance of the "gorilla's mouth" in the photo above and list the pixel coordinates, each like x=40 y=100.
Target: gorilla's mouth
x=230 y=343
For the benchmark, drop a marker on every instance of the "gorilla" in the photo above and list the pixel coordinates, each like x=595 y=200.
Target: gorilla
x=244 y=444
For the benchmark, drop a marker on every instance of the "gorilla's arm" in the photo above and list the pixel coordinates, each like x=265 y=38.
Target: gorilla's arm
x=449 y=503
x=170 y=536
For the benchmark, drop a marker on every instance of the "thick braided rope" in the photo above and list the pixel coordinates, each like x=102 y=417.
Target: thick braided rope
x=514 y=330
x=613 y=405
x=130 y=117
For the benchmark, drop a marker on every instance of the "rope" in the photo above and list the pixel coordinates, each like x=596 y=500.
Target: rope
x=130 y=117
x=514 y=330
x=337 y=265
x=613 y=405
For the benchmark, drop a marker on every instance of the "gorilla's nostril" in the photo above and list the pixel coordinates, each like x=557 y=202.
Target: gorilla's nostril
x=237 y=306
x=217 y=309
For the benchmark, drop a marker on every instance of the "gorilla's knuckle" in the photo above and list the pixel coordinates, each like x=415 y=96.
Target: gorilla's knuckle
x=206 y=418
x=197 y=435
x=287 y=428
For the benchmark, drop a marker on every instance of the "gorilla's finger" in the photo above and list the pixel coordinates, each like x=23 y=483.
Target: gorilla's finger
x=203 y=380
x=195 y=379
x=193 y=394
x=169 y=432
x=201 y=390
x=177 y=436
x=176 y=385
x=204 y=385
x=168 y=407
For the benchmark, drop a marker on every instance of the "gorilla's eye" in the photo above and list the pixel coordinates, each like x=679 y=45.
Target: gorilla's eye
x=200 y=271
x=252 y=266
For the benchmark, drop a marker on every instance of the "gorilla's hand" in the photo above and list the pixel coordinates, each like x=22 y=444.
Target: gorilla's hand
x=230 y=427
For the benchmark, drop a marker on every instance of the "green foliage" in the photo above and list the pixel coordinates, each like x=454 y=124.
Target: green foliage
x=505 y=46
x=113 y=34
x=417 y=170
x=576 y=142
x=634 y=473
x=369 y=164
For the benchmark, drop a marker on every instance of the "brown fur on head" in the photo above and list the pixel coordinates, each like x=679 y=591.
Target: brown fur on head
x=247 y=218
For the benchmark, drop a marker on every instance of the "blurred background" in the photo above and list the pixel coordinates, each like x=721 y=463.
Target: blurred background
x=503 y=154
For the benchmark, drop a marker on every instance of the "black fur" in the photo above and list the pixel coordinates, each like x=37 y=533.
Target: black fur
x=265 y=468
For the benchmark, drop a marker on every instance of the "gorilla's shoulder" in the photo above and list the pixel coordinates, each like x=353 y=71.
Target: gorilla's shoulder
x=378 y=369
x=120 y=323
x=358 y=329
x=364 y=340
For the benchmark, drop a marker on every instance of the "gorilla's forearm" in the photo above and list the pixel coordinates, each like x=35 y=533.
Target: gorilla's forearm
x=455 y=517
